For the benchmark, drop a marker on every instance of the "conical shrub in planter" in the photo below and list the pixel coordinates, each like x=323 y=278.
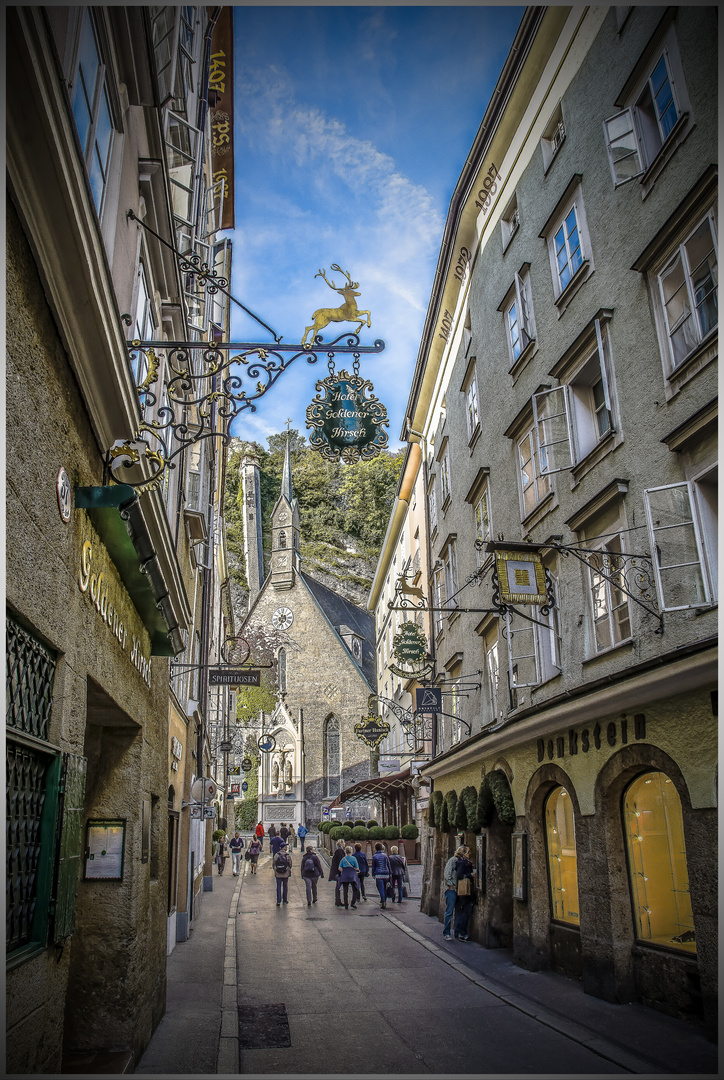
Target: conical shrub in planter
x=360 y=822
x=376 y=833
x=409 y=832
x=435 y=811
x=371 y=824
x=392 y=832
x=449 y=811
x=468 y=801
x=360 y=832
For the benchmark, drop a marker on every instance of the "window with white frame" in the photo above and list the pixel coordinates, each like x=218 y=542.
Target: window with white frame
x=143 y=324
x=471 y=406
x=183 y=145
x=510 y=221
x=483 y=529
x=92 y=110
x=682 y=521
x=438 y=593
x=432 y=501
x=445 y=477
x=636 y=134
x=450 y=565
x=533 y=647
x=532 y=473
x=195 y=485
x=688 y=290
x=492 y=668
x=518 y=310
x=609 y=604
x=553 y=137
x=571 y=420
x=566 y=249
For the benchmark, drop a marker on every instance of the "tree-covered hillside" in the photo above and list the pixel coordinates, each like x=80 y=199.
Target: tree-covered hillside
x=344 y=511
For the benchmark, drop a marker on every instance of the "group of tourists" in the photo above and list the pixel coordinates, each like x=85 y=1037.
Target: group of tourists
x=286 y=832
x=459 y=876
x=223 y=848
x=350 y=866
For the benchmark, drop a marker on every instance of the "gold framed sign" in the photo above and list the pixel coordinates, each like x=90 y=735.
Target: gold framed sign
x=521 y=576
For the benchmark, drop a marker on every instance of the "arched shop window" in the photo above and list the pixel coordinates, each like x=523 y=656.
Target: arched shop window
x=657 y=863
x=562 y=858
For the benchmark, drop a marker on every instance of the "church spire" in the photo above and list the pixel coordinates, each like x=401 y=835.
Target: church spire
x=287 y=472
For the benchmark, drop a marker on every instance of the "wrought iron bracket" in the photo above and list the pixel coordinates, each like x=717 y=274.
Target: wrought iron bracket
x=625 y=572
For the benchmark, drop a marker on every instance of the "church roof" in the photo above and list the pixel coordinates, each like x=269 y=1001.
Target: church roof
x=343 y=613
x=287 y=474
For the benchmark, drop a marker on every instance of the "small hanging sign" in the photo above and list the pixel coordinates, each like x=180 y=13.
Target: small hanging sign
x=409 y=645
x=521 y=576
x=345 y=423
x=372 y=730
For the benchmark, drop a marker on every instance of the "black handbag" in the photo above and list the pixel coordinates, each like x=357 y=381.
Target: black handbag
x=389 y=888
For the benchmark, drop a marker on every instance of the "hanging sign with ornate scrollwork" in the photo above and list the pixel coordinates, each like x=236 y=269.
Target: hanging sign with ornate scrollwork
x=372 y=730
x=345 y=423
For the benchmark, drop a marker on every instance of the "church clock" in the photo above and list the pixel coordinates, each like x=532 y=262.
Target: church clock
x=282 y=618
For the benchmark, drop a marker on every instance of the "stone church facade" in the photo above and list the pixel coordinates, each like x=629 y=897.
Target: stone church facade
x=326 y=673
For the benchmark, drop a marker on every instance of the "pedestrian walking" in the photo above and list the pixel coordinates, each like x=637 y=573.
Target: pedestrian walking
x=276 y=844
x=464 y=873
x=259 y=833
x=284 y=832
x=292 y=834
x=349 y=875
x=381 y=872
x=235 y=847
x=302 y=832
x=311 y=871
x=397 y=866
x=451 y=890
x=272 y=830
x=254 y=852
x=334 y=871
x=364 y=867
x=282 y=864
x=221 y=852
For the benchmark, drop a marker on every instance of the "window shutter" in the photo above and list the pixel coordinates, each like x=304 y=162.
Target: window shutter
x=676 y=547
x=552 y=430
x=70 y=847
x=623 y=147
x=526 y=335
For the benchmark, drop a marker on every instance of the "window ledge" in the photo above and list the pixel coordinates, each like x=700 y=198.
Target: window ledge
x=601 y=450
x=544 y=506
x=446 y=504
x=582 y=274
x=696 y=353
x=22 y=955
x=472 y=441
x=675 y=137
x=522 y=362
x=626 y=643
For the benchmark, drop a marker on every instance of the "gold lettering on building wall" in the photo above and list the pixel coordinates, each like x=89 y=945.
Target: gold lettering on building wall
x=102 y=595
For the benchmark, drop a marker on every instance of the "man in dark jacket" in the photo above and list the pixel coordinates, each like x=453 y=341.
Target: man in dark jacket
x=311 y=871
x=272 y=830
x=276 y=844
x=364 y=867
x=284 y=832
x=334 y=871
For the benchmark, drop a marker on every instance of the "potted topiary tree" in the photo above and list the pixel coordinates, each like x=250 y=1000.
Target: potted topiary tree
x=360 y=832
x=371 y=824
x=409 y=834
x=391 y=832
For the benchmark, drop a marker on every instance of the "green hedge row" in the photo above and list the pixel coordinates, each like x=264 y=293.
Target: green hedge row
x=473 y=810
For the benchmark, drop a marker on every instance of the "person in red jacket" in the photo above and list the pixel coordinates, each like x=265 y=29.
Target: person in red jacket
x=259 y=833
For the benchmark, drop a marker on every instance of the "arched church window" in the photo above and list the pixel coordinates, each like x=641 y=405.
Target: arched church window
x=657 y=863
x=562 y=858
x=282 y=542
x=282 y=669
x=332 y=756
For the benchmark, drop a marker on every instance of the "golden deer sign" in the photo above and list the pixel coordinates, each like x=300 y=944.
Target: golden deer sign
x=347 y=312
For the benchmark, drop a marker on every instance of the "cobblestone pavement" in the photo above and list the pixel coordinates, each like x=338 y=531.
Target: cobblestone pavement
x=323 y=990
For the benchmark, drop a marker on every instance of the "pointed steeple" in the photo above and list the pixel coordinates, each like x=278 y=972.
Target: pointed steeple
x=287 y=474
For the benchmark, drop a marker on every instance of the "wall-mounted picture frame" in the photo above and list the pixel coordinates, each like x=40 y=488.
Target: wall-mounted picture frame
x=519 y=842
x=105 y=844
x=481 y=849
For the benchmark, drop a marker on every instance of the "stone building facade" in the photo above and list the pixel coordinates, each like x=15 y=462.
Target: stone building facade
x=100 y=575
x=325 y=677
x=565 y=402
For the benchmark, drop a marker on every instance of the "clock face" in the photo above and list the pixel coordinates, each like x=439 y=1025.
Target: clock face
x=282 y=618
x=355 y=648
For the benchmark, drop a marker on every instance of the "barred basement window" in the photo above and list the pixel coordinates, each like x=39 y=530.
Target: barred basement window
x=30 y=668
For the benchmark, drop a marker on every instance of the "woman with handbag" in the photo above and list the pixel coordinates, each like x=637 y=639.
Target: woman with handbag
x=381 y=872
x=349 y=875
x=464 y=874
x=253 y=852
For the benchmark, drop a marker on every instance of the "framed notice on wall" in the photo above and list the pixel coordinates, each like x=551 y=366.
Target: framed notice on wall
x=105 y=842
x=520 y=866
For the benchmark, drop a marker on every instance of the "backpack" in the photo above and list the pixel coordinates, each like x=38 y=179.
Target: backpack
x=281 y=866
x=308 y=864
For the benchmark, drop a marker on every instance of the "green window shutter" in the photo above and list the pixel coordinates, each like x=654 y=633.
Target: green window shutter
x=70 y=846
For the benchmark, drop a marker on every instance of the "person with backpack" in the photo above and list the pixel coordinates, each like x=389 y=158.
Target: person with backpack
x=311 y=870
x=364 y=867
x=381 y=872
x=235 y=845
x=254 y=852
x=282 y=864
x=397 y=864
x=349 y=875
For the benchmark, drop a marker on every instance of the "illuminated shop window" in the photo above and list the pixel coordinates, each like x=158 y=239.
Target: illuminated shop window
x=562 y=859
x=657 y=863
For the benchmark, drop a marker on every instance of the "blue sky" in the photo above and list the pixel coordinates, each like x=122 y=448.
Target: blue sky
x=352 y=125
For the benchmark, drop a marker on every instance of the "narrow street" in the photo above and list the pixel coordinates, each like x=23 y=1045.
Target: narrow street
x=266 y=990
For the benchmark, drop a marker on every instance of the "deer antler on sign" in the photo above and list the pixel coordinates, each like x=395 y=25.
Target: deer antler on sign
x=347 y=312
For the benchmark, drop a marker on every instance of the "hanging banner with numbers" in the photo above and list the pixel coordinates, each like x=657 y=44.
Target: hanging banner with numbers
x=345 y=423
x=221 y=99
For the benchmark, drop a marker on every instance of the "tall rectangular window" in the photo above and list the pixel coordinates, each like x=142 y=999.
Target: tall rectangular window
x=482 y=524
x=689 y=290
x=471 y=406
x=534 y=483
x=567 y=247
x=682 y=523
x=609 y=603
x=91 y=109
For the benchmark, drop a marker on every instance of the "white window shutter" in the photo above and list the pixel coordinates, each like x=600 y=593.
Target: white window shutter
x=552 y=430
x=623 y=146
x=677 y=549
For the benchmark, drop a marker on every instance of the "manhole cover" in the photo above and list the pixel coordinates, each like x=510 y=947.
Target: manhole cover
x=263 y=1027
